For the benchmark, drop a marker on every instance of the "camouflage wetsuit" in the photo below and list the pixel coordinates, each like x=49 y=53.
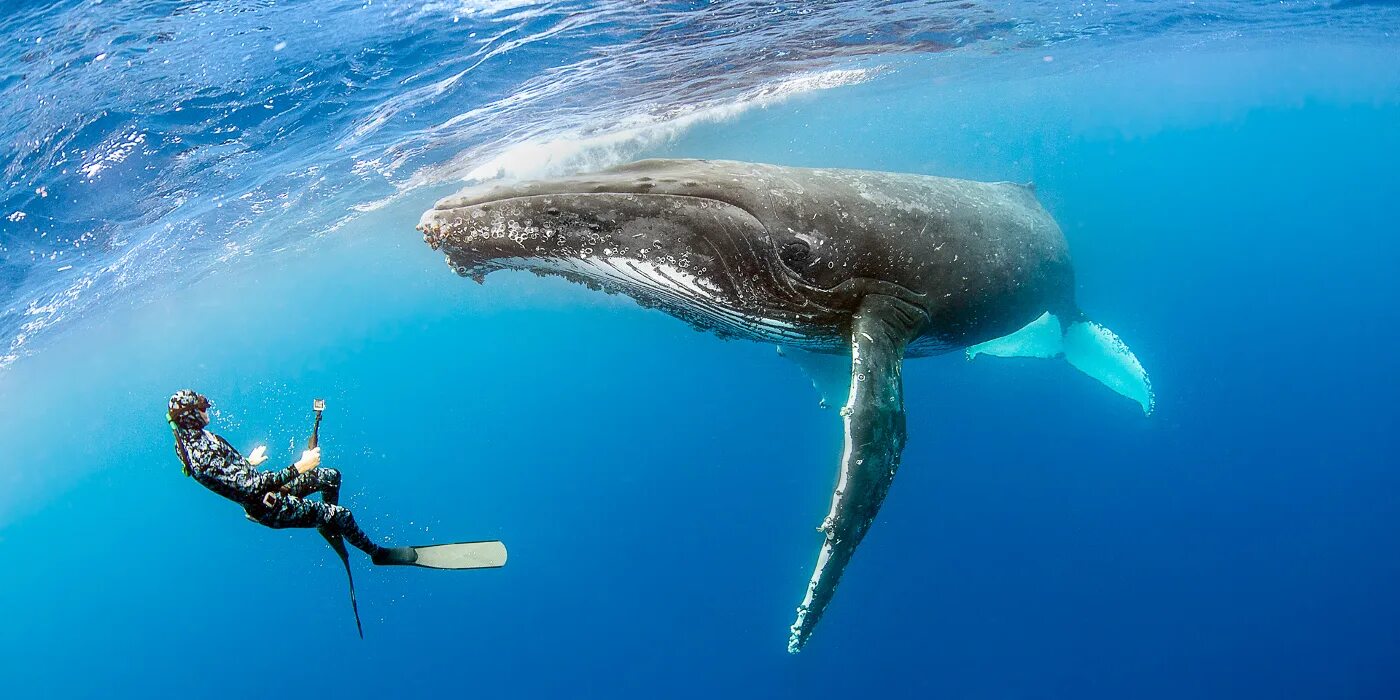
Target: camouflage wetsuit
x=277 y=499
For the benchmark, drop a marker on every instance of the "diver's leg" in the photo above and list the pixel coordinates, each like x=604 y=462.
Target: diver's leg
x=326 y=481
x=333 y=522
x=330 y=488
x=292 y=511
x=342 y=522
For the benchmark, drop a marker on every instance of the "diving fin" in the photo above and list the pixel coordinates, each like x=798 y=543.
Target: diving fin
x=395 y=556
x=1088 y=346
x=459 y=555
x=337 y=542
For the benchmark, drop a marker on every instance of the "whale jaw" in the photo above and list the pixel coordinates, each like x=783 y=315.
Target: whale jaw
x=704 y=261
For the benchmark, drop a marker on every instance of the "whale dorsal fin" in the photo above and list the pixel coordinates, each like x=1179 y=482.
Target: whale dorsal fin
x=874 y=424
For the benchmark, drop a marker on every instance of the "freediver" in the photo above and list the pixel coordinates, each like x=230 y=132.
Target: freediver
x=277 y=499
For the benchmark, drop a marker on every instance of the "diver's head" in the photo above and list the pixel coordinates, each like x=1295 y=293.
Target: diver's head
x=189 y=410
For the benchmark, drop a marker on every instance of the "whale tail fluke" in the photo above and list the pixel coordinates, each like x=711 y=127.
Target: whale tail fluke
x=1088 y=346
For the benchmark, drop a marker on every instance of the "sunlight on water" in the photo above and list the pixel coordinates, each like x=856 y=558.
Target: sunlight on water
x=148 y=143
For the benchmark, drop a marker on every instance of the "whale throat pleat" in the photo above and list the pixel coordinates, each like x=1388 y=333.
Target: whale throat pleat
x=678 y=292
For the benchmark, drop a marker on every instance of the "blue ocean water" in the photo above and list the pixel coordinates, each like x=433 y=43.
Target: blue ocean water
x=222 y=195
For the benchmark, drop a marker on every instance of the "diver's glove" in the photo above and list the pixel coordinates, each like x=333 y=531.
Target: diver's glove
x=310 y=459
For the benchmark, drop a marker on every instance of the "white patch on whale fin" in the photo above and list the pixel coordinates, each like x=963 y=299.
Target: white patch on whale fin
x=830 y=374
x=1040 y=338
x=1088 y=346
x=1097 y=352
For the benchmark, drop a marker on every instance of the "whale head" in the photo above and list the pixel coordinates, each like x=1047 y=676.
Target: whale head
x=660 y=232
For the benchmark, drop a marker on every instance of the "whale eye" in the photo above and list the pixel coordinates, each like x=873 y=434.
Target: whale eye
x=795 y=254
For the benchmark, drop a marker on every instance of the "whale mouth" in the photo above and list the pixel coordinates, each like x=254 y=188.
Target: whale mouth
x=577 y=218
x=696 y=257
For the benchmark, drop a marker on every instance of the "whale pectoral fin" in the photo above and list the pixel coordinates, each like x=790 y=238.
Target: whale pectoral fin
x=874 y=424
x=830 y=374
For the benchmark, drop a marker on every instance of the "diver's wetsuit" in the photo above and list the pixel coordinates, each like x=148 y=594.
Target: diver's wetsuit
x=277 y=499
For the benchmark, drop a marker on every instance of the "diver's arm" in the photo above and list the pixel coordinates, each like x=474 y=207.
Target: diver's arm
x=256 y=482
x=240 y=485
x=271 y=481
x=252 y=482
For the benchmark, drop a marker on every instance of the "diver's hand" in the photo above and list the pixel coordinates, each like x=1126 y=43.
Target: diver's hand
x=259 y=455
x=310 y=459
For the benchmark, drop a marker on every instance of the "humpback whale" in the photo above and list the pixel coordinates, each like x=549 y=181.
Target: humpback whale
x=873 y=266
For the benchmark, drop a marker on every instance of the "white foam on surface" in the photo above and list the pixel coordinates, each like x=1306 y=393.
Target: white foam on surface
x=565 y=153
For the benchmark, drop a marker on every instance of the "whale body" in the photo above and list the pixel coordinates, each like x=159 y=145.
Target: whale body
x=871 y=265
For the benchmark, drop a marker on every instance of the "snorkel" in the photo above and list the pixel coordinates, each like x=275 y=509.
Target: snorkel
x=179 y=445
